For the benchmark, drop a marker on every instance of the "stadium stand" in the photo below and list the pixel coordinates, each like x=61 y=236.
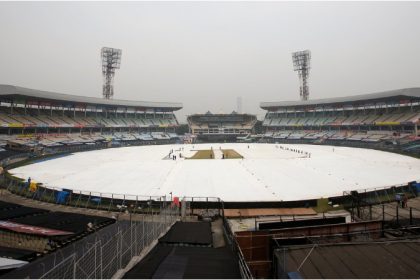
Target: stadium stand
x=386 y=120
x=10 y=210
x=107 y=242
x=216 y=127
x=25 y=110
x=71 y=222
x=33 y=120
x=372 y=117
x=27 y=233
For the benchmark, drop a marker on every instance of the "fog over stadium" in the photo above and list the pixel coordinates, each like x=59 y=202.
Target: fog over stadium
x=206 y=54
x=306 y=167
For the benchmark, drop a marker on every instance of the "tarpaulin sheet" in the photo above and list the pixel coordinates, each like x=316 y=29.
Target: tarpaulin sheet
x=32 y=229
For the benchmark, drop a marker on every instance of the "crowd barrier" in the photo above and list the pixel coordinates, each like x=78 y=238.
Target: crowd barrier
x=110 y=202
x=393 y=215
x=385 y=204
x=372 y=196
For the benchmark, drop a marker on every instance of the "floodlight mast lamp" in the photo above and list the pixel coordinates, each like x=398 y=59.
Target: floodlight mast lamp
x=111 y=60
x=302 y=64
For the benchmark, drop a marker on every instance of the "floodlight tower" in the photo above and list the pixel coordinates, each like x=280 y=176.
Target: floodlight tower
x=301 y=64
x=239 y=105
x=111 y=60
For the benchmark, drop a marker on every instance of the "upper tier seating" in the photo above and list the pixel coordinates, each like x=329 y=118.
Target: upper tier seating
x=347 y=118
x=56 y=119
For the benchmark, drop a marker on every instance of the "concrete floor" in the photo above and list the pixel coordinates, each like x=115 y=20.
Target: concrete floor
x=249 y=224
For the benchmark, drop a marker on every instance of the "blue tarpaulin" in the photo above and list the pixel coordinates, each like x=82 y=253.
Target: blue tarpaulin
x=62 y=197
x=294 y=275
x=96 y=199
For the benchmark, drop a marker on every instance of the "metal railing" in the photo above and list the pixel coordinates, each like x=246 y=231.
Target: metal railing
x=373 y=196
x=383 y=194
x=84 y=199
x=393 y=214
x=206 y=206
x=14 y=158
x=243 y=266
x=108 y=254
x=383 y=204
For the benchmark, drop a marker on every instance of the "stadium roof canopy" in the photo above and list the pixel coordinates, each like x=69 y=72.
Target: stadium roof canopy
x=380 y=260
x=392 y=96
x=9 y=93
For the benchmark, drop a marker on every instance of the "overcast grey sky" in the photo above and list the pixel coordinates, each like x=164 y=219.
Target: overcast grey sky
x=206 y=54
